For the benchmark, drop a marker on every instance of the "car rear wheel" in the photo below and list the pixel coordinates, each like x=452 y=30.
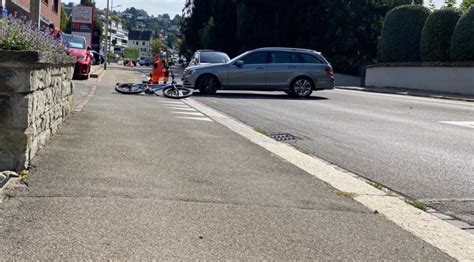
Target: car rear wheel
x=301 y=87
x=208 y=84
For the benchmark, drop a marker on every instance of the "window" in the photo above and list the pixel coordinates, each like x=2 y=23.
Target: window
x=310 y=59
x=143 y=43
x=280 y=57
x=214 y=57
x=255 y=58
x=55 y=6
x=46 y=2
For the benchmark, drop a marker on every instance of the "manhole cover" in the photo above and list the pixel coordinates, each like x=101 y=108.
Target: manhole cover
x=283 y=137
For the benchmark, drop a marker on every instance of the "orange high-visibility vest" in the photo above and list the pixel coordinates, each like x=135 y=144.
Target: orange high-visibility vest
x=156 y=71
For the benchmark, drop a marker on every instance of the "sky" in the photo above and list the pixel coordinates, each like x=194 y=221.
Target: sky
x=155 y=7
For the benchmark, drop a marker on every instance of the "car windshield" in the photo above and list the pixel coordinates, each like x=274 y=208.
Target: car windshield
x=74 y=42
x=214 y=57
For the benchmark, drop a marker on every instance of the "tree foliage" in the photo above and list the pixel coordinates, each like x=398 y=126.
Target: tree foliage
x=131 y=53
x=400 y=41
x=346 y=32
x=462 y=45
x=466 y=4
x=437 y=33
x=64 y=20
x=157 y=46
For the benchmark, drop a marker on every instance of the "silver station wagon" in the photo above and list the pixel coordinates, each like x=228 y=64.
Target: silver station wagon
x=298 y=72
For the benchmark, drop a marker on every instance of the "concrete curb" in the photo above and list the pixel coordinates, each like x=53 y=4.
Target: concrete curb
x=446 y=237
x=406 y=92
x=97 y=71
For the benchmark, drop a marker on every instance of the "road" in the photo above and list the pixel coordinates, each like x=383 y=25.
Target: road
x=397 y=141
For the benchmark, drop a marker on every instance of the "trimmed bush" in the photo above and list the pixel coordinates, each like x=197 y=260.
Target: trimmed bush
x=400 y=41
x=462 y=44
x=437 y=33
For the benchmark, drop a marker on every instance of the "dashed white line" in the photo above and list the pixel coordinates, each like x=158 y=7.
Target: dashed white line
x=172 y=103
x=182 y=109
x=196 y=118
x=188 y=113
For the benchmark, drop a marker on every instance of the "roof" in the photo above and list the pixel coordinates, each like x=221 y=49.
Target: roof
x=287 y=49
x=140 y=35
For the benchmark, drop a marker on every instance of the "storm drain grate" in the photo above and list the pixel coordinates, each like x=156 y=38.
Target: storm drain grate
x=283 y=137
x=3 y=180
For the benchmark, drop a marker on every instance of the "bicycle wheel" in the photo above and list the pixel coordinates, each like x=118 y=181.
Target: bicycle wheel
x=177 y=92
x=129 y=89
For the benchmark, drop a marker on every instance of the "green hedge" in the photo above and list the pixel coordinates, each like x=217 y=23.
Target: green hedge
x=462 y=44
x=437 y=33
x=400 y=41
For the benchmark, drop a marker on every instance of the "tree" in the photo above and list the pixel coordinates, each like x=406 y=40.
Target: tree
x=400 y=41
x=157 y=46
x=437 y=34
x=449 y=3
x=131 y=53
x=466 y=4
x=345 y=31
x=462 y=45
x=171 y=40
x=64 y=20
x=431 y=5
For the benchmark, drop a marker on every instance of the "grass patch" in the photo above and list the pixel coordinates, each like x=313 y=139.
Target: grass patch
x=304 y=151
x=416 y=204
x=378 y=186
x=346 y=194
x=24 y=175
x=261 y=131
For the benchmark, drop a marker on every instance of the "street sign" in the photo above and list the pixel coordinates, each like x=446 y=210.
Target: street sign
x=82 y=22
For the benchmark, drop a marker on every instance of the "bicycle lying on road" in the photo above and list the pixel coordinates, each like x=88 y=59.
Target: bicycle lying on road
x=171 y=90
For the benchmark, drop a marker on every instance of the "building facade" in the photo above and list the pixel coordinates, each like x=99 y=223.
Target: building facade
x=141 y=40
x=118 y=37
x=50 y=10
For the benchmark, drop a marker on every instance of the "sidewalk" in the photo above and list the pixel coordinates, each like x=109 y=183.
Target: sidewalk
x=141 y=178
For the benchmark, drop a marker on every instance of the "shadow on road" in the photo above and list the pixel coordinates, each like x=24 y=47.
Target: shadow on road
x=235 y=95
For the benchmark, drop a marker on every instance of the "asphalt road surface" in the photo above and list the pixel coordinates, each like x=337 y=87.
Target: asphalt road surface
x=398 y=141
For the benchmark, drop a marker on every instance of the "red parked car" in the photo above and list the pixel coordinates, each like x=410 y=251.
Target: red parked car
x=77 y=48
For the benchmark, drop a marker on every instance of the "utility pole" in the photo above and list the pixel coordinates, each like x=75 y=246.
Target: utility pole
x=106 y=51
x=35 y=12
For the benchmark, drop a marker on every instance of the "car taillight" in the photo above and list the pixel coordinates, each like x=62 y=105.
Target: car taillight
x=329 y=71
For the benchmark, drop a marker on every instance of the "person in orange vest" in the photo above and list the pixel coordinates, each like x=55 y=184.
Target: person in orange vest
x=55 y=32
x=157 y=70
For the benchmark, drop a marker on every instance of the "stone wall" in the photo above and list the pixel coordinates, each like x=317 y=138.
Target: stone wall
x=36 y=95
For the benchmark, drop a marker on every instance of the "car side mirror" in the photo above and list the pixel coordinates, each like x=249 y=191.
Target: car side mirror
x=89 y=48
x=239 y=63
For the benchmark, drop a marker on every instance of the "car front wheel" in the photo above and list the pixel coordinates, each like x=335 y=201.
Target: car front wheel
x=301 y=87
x=208 y=84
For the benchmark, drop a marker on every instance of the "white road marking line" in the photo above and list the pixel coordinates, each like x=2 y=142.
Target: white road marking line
x=177 y=106
x=196 y=118
x=452 y=240
x=172 y=103
x=182 y=109
x=188 y=113
x=469 y=124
